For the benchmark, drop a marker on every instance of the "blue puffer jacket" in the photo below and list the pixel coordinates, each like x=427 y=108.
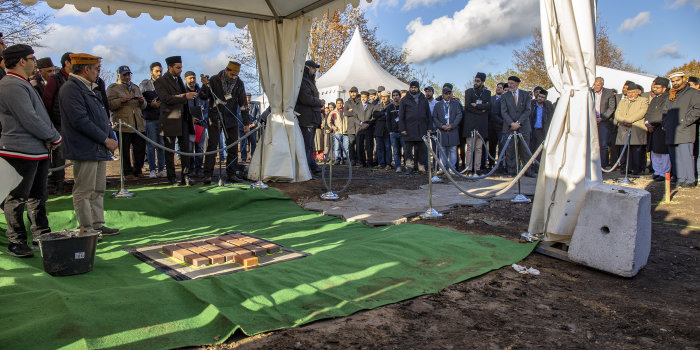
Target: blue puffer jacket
x=84 y=122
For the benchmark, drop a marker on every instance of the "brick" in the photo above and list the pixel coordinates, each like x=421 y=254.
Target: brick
x=227 y=254
x=185 y=245
x=213 y=241
x=181 y=253
x=225 y=245
x=199 y=243
x=214 y=257
x=240 y=251
x=169 y=249
x=246 y=259
x=271 y=247
x=251 y=239
x=211 y=247
x=257 y=251
x=197 y=260
x=238 y=242
x=199 y=250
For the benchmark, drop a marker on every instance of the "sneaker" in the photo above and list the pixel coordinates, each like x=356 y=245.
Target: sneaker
x=153 y=174
x=162 y=173
x=20 y=250
x=106 y=231
x=398 y=169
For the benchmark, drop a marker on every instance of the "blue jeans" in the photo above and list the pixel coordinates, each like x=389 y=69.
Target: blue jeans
x=383 y=150
x=341 y=141
x=451 y=153
x=397 y=144
x=152 y=151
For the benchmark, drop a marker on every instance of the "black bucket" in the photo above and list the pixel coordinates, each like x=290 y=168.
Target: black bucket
x=64 y=255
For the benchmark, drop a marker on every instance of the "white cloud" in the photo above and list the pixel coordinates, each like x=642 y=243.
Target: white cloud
x=479 y=23
x=196 y=39
x=411 y=4
x=668 y=50
x=70 y=10
x=213 y=64
x=633 y=23
x=678 y=3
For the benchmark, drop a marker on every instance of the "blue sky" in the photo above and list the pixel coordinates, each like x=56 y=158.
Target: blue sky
x=450 y=39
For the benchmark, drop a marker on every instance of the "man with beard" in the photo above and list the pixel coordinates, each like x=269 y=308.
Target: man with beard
x=392 y=120
x=605 y=106
x=381 y=132
x=477 y=103
x=227 y=95
x=353 y=122
x=198 y=108
x=151 y=115
x=365 y=133
x=495 y=123
x=308 y=109
x=540 y=118
x=680 y=115
x=45 y=66
x=50 y=98
x=447 y=116
x=414 y=123
x=656 y=139
x=516 y=109
x=175 y=118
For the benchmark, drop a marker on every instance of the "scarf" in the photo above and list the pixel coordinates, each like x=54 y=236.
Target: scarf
x=415 y=96
x=673 y=92
x=227 y=83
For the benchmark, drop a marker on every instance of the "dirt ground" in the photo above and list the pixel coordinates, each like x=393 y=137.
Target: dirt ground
x=566 y=306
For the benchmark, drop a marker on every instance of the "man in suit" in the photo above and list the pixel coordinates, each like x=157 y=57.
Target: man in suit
x=515 y=110
x=175 y=120
x=605 y=105
x=495 y=123
x=540 y=118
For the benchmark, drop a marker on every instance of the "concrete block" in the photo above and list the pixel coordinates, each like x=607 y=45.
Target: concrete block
x=613 y=231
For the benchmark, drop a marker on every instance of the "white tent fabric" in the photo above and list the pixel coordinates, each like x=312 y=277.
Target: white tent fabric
x=357 y=67
x=614 y=79
x=280 y=33
x=281 y=52
x=571 y=161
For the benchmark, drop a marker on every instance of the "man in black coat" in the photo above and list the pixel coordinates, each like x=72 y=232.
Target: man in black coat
x=308 y=109
x=175 y=119
x=656 y=139
x=477 y=104
x=365 y=133
x=681 y=113
x=605 y=105
x=414 y=123
x=495 y=123
x=226 y=94
x=540 y=118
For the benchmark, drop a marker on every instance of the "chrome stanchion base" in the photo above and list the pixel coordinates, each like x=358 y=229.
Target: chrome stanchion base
x=520 y=198
x=430 y=214
x=123 y=193
x=625 y=181
x=530 y=236
x=330 y=196
x=436 y=179
x=259 y=185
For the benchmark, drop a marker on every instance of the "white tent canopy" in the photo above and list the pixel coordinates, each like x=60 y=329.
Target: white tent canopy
x=280 y=33
x=355 y=67
x=614 y=79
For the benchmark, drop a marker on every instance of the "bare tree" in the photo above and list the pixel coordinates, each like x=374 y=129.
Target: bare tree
x=246 y=57
x=22 y=24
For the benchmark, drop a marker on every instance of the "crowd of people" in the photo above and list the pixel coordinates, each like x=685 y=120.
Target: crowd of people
x=49 y=115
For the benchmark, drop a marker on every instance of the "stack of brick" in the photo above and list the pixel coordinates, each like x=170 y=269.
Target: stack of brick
x=242 y=249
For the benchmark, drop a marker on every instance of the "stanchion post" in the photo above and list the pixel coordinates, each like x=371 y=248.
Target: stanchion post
x=519 y=198
x=122 y=193
x=330 y=195
x=626 y=180
x=260 y=185
x=430 y=213
x=436 y=178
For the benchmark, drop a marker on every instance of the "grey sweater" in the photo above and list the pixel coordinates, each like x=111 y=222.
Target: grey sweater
x=25 y=122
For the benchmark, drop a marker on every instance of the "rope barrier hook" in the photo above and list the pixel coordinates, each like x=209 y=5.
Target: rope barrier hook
x=123 y=192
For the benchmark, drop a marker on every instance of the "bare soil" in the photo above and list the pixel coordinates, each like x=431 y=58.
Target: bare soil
x=566 y=306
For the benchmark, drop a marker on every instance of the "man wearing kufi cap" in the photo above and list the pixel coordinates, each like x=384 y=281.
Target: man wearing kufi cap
x=353 y=122
x=682 y=112
x=176 y=124
x=414 y=123
x=447 y=118
x=477 y=104
x=227 y=96
x=656 y=139
x=126 y=103
x=27 y=137
x=39 y=80
x=381 y=131
x=89 y=141
x=515 y=110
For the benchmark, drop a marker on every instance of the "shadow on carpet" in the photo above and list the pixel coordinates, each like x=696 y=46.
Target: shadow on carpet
x=126 y=303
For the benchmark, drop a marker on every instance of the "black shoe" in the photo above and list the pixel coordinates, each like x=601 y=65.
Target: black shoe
x=686 y=185
x=20 y=250
x=172 y=181
x=186 y=181
x=659 y=178
x=482 y=172
x=106 y=231
x=317 y=171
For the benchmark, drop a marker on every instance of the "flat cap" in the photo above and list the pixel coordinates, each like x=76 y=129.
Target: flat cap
x=17 y=50
x=84 y=58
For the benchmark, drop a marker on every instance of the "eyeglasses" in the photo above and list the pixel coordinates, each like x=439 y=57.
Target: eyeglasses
x=30 y=58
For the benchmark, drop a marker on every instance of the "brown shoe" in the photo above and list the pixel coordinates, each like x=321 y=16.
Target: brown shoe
x=131 y=177
x=388 y=167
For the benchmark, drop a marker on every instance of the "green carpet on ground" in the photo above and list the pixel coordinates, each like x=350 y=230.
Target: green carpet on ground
x=126 y=303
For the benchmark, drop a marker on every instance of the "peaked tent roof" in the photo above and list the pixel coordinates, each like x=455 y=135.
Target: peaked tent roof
x=357 y=67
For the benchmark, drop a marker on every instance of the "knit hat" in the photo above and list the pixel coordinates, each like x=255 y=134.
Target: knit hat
x=189 y=73
x=17 y=50
x=44 y=63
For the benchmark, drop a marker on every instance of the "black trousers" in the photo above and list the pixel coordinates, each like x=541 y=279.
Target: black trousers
x=416 y=153
x=365 y=146
x=132 y=143
x=30 y=193
x=213 y=143
x=493 y=140
x=184 y=143
x=352 y=147
x=57 y=160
